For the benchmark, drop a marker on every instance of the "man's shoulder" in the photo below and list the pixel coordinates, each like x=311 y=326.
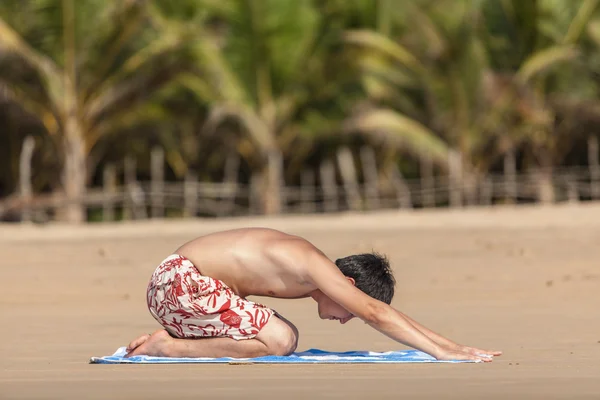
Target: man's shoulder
x=293 y=243
x=291 y=250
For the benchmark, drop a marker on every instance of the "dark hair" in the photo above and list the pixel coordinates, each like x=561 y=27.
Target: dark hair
x=372 y=274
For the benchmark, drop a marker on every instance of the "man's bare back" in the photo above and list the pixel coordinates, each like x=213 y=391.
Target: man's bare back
x=200 y=292
x=249 y=261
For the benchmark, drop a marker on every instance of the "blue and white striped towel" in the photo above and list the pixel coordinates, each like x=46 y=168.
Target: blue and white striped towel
x=305 y=357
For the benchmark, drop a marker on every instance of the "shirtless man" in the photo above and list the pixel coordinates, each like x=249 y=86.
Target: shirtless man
x=200 y=292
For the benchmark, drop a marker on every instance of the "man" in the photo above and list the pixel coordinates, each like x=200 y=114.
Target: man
x=200 y=293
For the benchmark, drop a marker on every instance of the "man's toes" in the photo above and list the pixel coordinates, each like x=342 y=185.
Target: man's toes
x=137 y=343
x=153 y=345
x=136 y=351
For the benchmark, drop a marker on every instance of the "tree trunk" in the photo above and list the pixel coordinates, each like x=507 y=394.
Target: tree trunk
x=109 y=178
x=371 y=177
x=545 y=186
x=228 y=195
x=455 y=179
x=594 y=166
x=307 y=192
x=190 y=194
x=329 y=186
x=427 y=191
x=25 y=189
x=74 y=171
x=544 y=178
x=157 y=185
x=348 y=173
x=402 y=189
x=510 y=177
x=272 y=179
x=129 y=178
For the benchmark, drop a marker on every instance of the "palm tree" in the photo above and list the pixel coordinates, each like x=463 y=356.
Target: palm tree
x=242 y=52
x=257 y=64
x=429 y=71
x=80 y=78
x=277 y=72
x=446 y=71
x=381 y=78
x=527 y=41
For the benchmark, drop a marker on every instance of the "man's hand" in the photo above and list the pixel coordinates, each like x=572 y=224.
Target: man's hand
x=449 y=344
x=475 y=351
x=450 y=355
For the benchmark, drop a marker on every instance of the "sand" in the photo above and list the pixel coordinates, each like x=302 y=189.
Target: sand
x=524 y=280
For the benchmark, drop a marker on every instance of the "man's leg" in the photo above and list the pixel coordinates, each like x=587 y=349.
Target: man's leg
x=277 y=337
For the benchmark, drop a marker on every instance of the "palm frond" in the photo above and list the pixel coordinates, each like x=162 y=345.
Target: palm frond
x=375 y=41
x=401 y=131
x=217 y=71
x=108 y=41
x=30 y=104
x=260 y=133
x=129 y=78
x=580 y=21
x=593 y=31
x=127 y=119
x=50 y=73
x=545 y=59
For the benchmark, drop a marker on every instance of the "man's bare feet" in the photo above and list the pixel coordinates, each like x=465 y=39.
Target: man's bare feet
x=137 y=342
x=156 y=344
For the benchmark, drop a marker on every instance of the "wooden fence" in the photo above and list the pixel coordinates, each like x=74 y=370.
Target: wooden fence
x=141 y=200
x=333 y=187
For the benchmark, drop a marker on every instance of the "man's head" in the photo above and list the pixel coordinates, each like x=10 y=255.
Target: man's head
x=370 y=273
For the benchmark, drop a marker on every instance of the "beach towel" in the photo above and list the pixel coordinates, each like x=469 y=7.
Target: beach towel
x=311 y=356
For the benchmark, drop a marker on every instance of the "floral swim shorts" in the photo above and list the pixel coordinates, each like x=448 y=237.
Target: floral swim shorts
x=190 y=305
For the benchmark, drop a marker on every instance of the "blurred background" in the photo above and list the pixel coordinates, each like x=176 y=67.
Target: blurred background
x=135 y=109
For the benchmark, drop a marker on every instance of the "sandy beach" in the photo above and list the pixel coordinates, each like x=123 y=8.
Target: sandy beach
x=525 y=280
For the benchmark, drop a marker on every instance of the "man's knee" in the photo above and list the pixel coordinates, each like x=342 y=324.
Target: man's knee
x=292 y=340
x=286 y=341
x=280 y=337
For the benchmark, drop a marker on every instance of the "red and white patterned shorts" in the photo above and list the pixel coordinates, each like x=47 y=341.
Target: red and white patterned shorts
x=190 y=305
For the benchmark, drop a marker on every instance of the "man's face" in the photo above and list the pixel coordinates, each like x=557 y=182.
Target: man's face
x=328 y=309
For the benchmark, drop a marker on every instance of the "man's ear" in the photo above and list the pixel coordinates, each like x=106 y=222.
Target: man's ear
x=351 y=280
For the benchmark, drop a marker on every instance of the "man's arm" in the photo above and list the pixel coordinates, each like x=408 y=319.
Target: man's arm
x=439 y=339
x=327 y=277
x=447 y=343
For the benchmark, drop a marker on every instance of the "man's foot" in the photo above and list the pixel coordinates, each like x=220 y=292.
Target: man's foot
x=137 y=342
x=156 y=344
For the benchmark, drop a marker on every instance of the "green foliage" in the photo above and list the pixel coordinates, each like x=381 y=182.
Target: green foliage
x=205 y=78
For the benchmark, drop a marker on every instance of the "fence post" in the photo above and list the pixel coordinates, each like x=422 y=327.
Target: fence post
x=328 y=186
x=594 y=166
x=487 y=191
x=190 y=194
x=455 y=178
x=510 y=176
x=272 y=192
x=402 y=189
x=427 y=181
x=109 y=183
x=369 y=165
x=470 y=184
x=572 y=188
x=230 y=187
x=254 y=195
x=157 y=186
x=348 y=173
x=25 y=189
x=129 y=178
x=544 y=183
x=307 y=191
